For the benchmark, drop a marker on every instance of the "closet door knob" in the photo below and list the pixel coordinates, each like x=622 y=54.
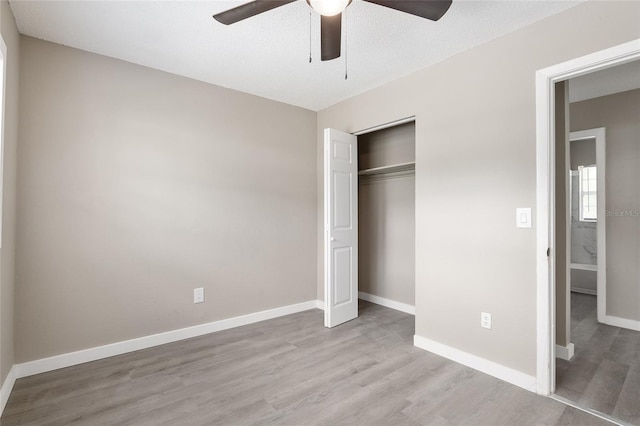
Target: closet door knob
x=332 y=239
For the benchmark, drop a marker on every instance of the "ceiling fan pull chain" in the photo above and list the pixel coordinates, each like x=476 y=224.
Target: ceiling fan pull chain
x=346 y=74
x=309 y=36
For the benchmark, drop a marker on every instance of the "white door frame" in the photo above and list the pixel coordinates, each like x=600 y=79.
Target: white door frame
x=394 y=123
x=545 y=194
x=599 y=134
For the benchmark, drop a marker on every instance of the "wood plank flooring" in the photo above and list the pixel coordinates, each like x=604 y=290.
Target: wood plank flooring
x=285 y=371
x=604 y=374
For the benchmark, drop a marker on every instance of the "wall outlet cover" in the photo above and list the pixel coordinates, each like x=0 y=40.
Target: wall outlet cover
x=198 y=295
x=485 y=320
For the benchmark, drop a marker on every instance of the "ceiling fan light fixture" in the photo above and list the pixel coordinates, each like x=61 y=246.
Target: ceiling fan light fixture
x=329 y=7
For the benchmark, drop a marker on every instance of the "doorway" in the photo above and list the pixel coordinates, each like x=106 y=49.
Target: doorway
x=604 y=320
x=607 y=401
x=587 y=215
x=369 y=221
x=581 y=228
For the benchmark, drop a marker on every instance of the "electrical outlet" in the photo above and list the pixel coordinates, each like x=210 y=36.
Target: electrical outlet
x=198 y=295
x=485 y=320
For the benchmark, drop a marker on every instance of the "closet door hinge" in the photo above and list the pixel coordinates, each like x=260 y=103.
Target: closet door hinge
x=549 y=252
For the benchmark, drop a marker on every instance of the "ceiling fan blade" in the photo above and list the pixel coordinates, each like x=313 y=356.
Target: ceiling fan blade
x=248 y=10
x=429 y=9
x=330 y=36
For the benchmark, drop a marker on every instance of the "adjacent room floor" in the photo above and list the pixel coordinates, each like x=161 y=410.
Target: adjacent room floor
x=604 y=374
x=289 y=370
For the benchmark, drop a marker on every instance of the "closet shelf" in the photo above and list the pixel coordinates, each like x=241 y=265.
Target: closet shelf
x=402 y=167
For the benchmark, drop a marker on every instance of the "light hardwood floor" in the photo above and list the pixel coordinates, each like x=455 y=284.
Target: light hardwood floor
x=604 y=374
x=289 y=370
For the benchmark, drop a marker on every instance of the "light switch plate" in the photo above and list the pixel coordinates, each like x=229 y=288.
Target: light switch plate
x=523 y=217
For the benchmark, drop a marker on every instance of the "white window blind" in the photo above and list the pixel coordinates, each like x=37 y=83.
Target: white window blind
x=588 y=179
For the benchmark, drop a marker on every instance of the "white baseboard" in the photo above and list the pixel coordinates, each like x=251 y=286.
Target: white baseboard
x=6 y=389
x=73 y=358
x=320 y=304
x=565 y=352
x=621 y=322
x=491 y=368
x=398 y=306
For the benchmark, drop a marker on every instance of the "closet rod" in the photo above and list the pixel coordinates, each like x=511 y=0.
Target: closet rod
x=388 y=169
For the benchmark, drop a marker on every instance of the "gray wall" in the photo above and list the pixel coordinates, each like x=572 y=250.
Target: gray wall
x=583 y=153
x=394 y=145
x=386 y=209
x=620 y=115
x=475 y=146
x=137 y=186
x=7 y=252
x=584 y=281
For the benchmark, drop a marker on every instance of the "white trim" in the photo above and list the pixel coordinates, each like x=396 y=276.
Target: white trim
x=545 y=241
x=320 y=304
x=584 y=267
x=7 y=387
x=545 y=141
x=491 y=368
x=385 y=125
x=383 y=301
x=79 y=357
x=620 y=322
x=325 y=225
x=588 y=134
x=601 y=227
x=565 y=352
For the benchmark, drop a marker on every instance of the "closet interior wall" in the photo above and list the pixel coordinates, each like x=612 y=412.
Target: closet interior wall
x=386 y=203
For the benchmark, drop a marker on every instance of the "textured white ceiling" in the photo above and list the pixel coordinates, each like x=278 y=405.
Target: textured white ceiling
x=268 y=55
x=606 y=82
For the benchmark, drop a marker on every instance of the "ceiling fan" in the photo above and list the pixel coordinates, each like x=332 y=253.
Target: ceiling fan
x=331 y=16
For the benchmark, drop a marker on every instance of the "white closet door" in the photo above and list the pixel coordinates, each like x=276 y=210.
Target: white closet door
x=340 y=227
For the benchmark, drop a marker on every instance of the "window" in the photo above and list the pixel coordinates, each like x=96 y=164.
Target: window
x=588 y=193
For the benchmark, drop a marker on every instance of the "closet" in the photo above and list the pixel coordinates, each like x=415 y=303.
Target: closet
x=386 y=216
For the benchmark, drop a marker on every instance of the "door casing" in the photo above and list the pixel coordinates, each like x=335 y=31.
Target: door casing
x=545 y=194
